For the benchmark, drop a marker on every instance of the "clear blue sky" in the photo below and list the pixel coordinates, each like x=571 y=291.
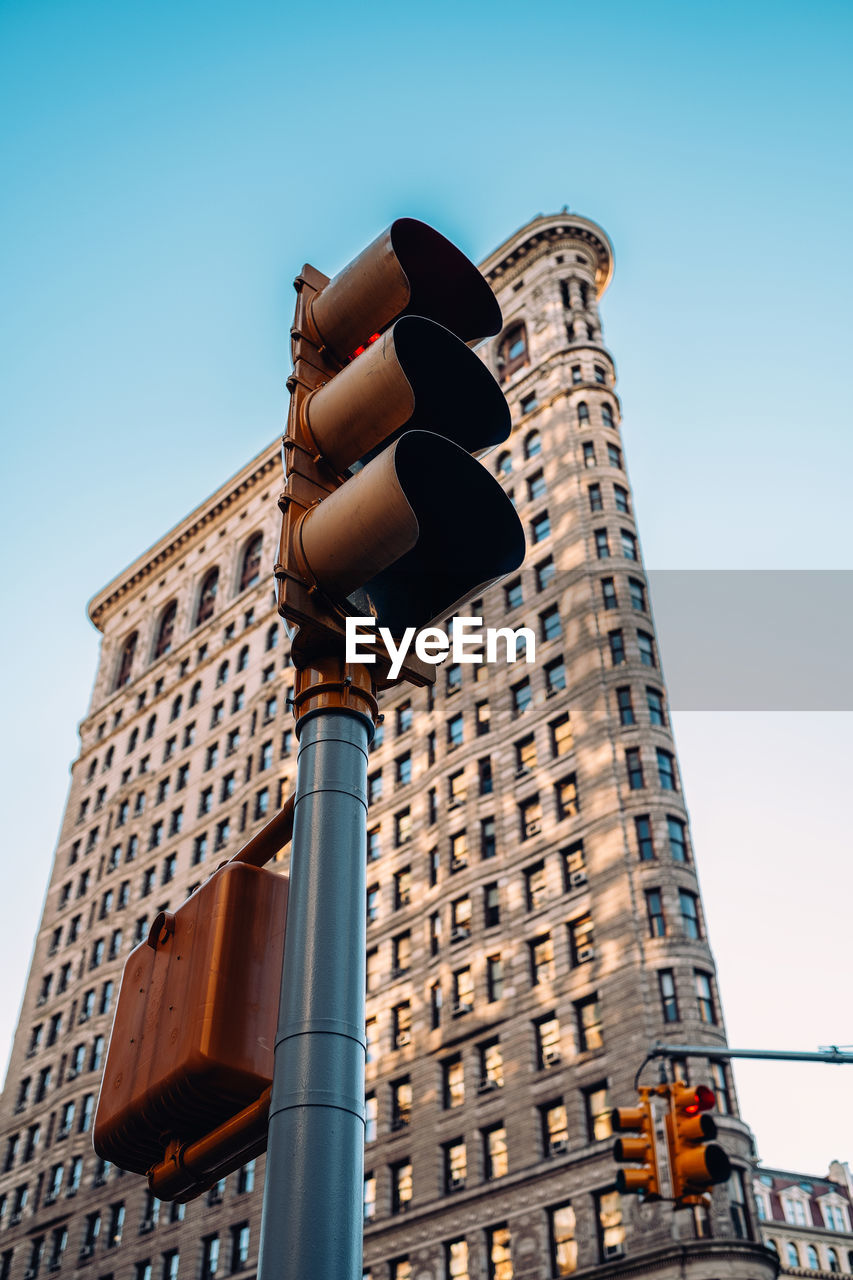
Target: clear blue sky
x=169 y=167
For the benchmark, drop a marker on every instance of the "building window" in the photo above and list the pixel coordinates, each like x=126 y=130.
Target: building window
x=544 y=572
x=638 y=595
x=677 y=839
x=536 y=487
x=608 y=593
x=482 y=718
x=705 y=997
x=401 y=1103
x=576 y=374
x=504 y=467
x=654 y=699
x=620 y=498
x=564 y=1246
x=401 y=1025
x=596 y=503
x=655 y=913
x=602 y=544
x=463 y=992
x=530 y=814
x=720 y=1084
x=495 y=1157
x=541 y=950
x=666 y=770
x=455 y=731
x=589 y=456
x=494 y=978
x=555 y=677
x=597 y=1110
x=574 y=867
x=568 y=804
x=555 y=1128
x=634 y=766
x=540 y=527
x=498 y=1253
x=581 y=940
x=455 y=1165
x=547 y=1031
x=402 y=827
x=166 y=630
x=617 y=647
x=588 y=1019
x=668 y=998
x=550 y=625
x=625 y=706
x=535 y=886
x=207 y=597
x=374 y=787
x=484 y=775
x=646 y=645
x=458 y=851
x=401 y=1185
x=453 y=678
x=611 y=1232
x=512 y=351
x=125 y=665
x=629 y=544
x=402 y=888
x=738 y=1210
x=689 y=904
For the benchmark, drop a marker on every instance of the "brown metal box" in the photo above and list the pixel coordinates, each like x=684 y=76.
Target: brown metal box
x=194 y=1031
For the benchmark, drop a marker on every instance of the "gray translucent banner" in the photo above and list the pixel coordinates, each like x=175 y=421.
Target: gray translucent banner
x=755 y=640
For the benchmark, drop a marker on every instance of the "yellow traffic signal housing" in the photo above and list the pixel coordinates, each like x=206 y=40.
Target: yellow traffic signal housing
x=640 y=1150
x=696 y=1162
x=385 y=512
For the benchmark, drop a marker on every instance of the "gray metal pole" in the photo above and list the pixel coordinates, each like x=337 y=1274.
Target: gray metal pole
x=312 y=1212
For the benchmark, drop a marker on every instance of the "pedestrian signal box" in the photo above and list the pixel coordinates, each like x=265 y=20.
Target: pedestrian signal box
x=194 y=1032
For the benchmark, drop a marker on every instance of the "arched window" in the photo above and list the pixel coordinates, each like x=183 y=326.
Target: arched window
x=251 y=569
x=150 y=727
x=207 y=597
x=272 y=637
x=607 y=415
x=222 y=673
x=812 y=1261
x=243 y=658
x=533 y=445
x=512 y=351
x=504 y=467
x=126 y=661
x=176 y=707
x=832 y=1260
x=792 y=1254
x=583 y=414
x=195 y=693
x=166 y=630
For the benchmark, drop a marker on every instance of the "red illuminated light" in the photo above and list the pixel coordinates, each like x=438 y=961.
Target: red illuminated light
x=703 y=1100
x=374 y=337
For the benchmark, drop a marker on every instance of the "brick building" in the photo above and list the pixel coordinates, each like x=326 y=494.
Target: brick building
x=534 y=915
x=806 y=1220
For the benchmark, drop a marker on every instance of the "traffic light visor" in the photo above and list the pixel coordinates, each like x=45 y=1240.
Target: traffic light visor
x=409 y=269
x=415 y=531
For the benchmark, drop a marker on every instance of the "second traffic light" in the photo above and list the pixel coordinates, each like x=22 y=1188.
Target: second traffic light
x=385 y=512
x=640 y=1150
x=696 y=1162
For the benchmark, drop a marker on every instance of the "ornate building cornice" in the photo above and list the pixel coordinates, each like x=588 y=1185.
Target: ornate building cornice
x=543 y=233
x=177 y=539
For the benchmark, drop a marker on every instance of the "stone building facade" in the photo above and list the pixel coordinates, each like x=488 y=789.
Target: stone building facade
x=807 y=1221
x=534 y=918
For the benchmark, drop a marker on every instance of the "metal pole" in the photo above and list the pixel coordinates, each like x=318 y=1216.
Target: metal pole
x=773 y=1055
x=312 y=1211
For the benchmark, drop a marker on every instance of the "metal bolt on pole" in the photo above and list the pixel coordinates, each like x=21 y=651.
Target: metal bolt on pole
x=312 y=1208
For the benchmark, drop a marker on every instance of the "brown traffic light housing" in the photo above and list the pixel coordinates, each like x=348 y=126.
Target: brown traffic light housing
x=696 y=1162
x=385 y=512
x=640 y=1150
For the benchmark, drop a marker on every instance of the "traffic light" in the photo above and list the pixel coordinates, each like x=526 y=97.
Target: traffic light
x=696 y=1162
x=640 y=1150
x=385 y=512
